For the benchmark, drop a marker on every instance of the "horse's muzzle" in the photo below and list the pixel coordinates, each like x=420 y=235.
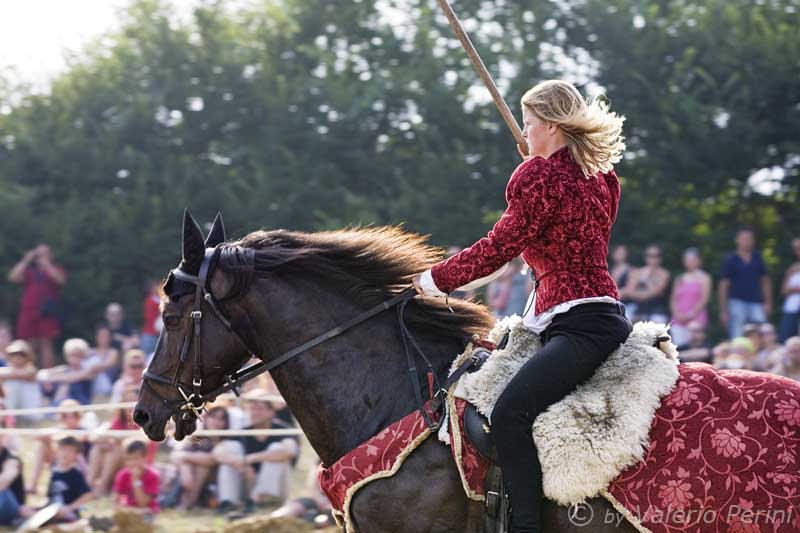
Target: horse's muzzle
x=152 y=428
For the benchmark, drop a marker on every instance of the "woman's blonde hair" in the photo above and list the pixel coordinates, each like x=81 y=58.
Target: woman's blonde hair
x=593 y=132
x=76 y=345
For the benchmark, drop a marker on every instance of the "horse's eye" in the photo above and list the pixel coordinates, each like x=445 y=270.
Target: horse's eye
x=172 y=321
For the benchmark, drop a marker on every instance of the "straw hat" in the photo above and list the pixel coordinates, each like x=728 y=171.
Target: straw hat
x=19 y=347
x=257 y=395
x=224 y=398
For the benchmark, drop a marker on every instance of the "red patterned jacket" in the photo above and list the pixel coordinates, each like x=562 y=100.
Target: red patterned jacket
x=559 y=221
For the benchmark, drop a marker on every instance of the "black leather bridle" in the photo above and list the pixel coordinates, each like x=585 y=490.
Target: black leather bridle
x=193 y=400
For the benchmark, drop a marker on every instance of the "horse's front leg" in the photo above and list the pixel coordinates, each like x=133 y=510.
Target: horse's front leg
x=425 y=495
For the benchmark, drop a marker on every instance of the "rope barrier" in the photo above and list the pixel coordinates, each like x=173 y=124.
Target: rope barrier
x=44 y=432
x=73 y=409
x=94 y=407
x=39 y=432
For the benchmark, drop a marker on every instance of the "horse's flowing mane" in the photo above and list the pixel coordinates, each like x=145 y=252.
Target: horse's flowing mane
x=371 y=265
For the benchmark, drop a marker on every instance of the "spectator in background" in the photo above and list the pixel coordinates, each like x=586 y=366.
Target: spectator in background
x=790 y=289
x=508 y=294
x=67 y=484
x=8 y=421
x=621 y=270
x=752 y=332
x=742 y=354
x=6 y=336
x=790 y=366
x=123 y=336
x=690 y=295
x=105 y=457
x=40 y=308
x=19 y=379
x=648 y=287
x=195 y=460
x=12 y=487
x=771 y=352
x=151 y=320
x=45 y=453
x=264 y=386
x=104 y=358
x=263 y=463
x=721 y=352
x=237 y=419
x=131 y=379
x=136 y=486
x=73 y=380
x=745 y=293
x=697 y=349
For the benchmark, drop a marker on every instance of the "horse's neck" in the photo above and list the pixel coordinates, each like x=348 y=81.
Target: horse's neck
x=350 y=387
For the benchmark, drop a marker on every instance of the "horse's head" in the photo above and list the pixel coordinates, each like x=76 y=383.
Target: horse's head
x=199 y=344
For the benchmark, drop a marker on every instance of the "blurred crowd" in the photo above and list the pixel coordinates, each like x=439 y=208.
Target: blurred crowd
x=231 y=474
x=235 y=474
x=744 y=297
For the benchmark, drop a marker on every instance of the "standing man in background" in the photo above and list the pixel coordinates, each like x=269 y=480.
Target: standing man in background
x=745 y=291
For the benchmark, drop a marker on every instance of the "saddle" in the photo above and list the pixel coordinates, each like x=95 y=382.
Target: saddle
x=477 y=427
x=585 y=440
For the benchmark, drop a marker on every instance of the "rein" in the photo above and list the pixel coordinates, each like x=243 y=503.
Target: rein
x=193 y=399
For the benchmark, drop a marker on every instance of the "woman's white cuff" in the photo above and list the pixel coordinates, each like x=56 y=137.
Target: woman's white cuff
x=429 y=288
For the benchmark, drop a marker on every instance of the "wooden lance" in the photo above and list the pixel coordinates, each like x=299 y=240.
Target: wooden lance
x=477 y=62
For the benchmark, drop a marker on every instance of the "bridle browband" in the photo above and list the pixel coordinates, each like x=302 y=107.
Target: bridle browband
x=236 y=258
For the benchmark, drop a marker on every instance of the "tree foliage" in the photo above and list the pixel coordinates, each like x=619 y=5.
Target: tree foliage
x=312 y=114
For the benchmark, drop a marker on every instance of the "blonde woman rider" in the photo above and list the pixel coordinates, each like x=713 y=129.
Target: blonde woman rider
x=562 y=202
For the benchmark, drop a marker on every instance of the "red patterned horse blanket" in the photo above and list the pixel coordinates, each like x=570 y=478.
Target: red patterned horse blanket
x=723 y=457
x=380 y=456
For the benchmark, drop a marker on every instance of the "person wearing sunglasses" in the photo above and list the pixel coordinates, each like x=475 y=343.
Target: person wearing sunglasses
x=131 y=378
x=648 y=286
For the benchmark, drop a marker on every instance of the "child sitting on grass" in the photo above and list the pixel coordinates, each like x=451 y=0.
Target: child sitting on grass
x=136 y=486
x=67 y=483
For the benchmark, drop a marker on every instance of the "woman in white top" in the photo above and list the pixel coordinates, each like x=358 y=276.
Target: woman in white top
x=790 y=321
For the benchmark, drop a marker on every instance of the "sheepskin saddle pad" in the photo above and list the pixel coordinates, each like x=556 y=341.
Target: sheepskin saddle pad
x=588 y=438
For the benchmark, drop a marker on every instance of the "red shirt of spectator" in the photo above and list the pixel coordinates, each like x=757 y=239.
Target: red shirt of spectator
x=39 y=290
x=152 y=312
x=124 y=488
x=559 y=220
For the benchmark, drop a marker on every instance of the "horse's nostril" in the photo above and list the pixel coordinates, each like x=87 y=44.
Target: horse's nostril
x=141 y=417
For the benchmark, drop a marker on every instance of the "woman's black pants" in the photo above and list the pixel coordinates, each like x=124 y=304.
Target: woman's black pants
x=576 y=343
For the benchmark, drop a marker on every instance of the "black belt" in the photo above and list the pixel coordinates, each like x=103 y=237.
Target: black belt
x=595 y=307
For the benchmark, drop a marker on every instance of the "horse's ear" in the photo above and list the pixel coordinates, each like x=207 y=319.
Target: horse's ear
x=193 y=247
x=217 y=234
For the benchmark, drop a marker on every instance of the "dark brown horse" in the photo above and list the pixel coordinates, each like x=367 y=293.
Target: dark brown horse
x=346 y=389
